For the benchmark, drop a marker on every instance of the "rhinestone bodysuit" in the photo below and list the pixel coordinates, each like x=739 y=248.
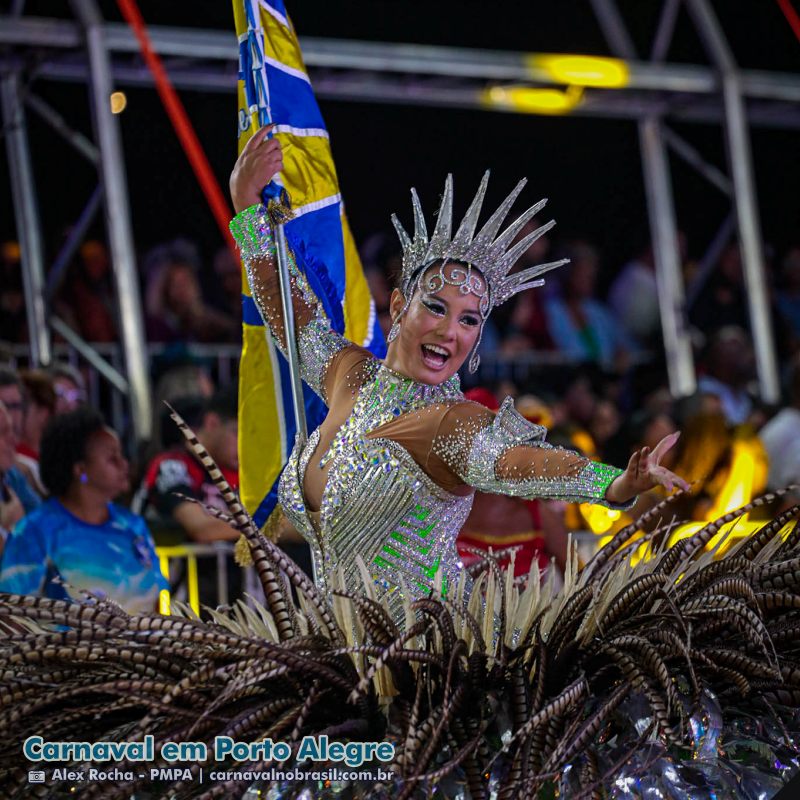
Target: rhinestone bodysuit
x=380 y=500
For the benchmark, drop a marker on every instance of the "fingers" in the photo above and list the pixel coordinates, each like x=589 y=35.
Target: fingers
x=258 y=137
x=644 y=463
x=662 y=477
x=665 y=445
x=680 y=482
x=669 y=480
x=267 y=160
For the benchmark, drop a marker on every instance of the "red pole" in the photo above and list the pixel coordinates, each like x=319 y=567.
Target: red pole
x=791 y=16
x=180 y=121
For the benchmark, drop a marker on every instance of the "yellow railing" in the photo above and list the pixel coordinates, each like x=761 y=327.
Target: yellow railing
x=221 y=551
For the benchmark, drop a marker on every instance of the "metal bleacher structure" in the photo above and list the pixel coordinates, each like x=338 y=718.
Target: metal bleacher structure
x=651 y=94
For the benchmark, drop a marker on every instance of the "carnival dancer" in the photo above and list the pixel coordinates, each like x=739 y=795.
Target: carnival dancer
x=389 y=475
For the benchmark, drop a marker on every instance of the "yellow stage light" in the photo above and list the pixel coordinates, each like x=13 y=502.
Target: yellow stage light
x=118 y=102
x=609 y=73
x=530 y=100
x=599 y=518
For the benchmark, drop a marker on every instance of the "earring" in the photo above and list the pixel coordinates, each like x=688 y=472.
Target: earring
x=394 y=331
x=84 y=477
x=475 y=360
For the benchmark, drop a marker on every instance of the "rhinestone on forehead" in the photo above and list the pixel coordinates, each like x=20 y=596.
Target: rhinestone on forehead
x=463 y=276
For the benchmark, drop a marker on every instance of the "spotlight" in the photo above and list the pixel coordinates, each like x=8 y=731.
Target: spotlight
x=118 y=102
x=530 y=100
x=608 y=73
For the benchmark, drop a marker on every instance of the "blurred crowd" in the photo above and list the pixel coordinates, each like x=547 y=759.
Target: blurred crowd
x=82 y=509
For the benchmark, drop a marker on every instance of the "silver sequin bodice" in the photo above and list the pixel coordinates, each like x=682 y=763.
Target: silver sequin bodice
x=378 y=503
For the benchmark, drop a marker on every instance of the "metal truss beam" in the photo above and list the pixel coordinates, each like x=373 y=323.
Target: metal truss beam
x=118 y=220
x=29 y=232
x=404 y=73
x=744 y=196
x=663 y=227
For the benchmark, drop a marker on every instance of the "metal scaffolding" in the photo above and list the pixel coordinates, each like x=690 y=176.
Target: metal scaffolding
x=654 y=94
x=112 y=192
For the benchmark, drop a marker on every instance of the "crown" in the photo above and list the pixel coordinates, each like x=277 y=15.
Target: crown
x=494 y=255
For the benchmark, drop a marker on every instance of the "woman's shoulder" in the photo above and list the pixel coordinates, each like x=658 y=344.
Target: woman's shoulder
x=46 y=518
x=47 y=510
x=349 y=368
x=458 y=417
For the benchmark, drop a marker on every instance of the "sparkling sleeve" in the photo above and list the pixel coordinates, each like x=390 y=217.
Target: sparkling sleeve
x=503 y=453
x=317 y=342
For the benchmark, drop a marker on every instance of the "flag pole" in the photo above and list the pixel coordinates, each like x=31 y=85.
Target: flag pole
x=292 y=353
x=275 y=193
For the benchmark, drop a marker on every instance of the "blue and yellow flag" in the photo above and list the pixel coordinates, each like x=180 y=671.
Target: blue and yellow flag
x=274 y=87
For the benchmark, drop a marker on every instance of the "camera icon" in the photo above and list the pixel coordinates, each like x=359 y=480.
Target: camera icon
x=36 y=776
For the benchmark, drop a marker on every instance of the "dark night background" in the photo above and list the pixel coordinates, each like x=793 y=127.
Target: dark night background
x=590 y=169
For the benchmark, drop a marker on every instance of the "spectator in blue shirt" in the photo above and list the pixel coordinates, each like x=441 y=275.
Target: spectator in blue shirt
x=79 y=539
x=11 y=507
x=580 y=325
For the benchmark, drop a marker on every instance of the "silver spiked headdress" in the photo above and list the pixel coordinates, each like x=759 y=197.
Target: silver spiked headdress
x=492 y=254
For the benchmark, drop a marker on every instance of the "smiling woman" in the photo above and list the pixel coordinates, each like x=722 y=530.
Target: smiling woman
x=381 y=489
x=440 y=330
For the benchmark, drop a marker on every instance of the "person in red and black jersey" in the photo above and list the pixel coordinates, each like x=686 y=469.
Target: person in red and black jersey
x=177 y=472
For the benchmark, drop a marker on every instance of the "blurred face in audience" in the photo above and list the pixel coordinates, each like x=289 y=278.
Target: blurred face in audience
x=69 y=395
x=11 y=397
x=221 y=438
x=181 y=290
x=105 y=466
x=580 y=401
x=605 y=422
x=582 y=276
x=7 y=441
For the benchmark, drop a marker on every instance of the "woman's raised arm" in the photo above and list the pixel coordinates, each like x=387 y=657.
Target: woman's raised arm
x=318 y=344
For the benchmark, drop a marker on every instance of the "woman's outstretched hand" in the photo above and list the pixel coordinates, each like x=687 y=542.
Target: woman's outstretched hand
x=258 y=163
x=644 y=472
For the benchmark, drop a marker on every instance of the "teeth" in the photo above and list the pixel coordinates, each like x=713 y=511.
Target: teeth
x=440 y=350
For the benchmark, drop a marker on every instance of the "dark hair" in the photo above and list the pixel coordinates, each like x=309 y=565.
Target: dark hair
x=191 y=410
x=64 y=444
x=224 y=403
x=8 y=377
x=40 y=388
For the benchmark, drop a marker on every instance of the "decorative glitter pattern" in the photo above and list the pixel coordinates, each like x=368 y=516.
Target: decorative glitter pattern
x=317 y=342
x=494 y=255
x=252 y=231
x=560 y=473
x=378 y=502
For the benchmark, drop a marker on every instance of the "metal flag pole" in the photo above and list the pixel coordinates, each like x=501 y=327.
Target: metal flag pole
x=292 y=354
x=274 y=194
